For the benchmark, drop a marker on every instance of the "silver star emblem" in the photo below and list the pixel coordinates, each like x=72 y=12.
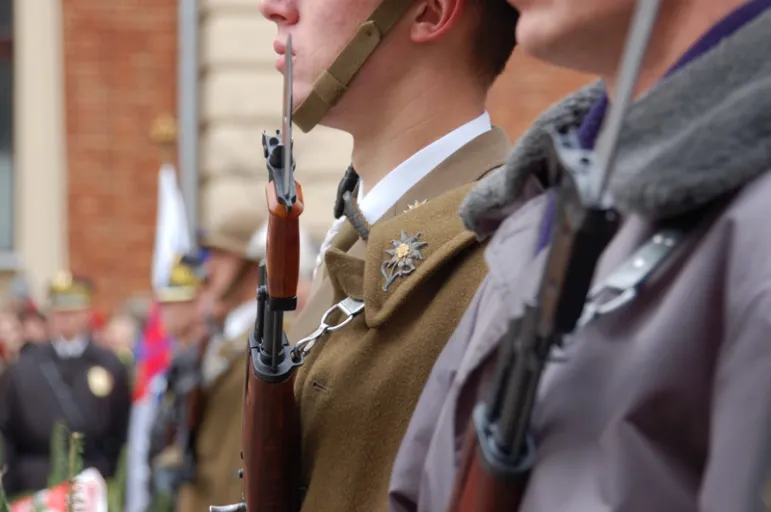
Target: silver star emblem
x=404 y=253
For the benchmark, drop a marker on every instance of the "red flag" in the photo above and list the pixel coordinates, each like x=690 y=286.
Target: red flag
x=153 y=353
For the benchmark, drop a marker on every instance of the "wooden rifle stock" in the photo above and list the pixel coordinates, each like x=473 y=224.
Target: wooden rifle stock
x=283 y=244
x=271 y=440
x=477 y=489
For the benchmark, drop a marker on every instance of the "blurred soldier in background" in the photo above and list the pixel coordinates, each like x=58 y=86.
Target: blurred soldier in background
x=235 y=248
x=71 y=380
x=171 y=448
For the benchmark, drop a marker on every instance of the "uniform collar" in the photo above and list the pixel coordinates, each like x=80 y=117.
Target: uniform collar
x=700 y=134
x=395 y=184
x=592 y=123
x=70 y=349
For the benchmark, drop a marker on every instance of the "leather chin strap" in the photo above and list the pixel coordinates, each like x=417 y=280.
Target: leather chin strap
x=334 y=81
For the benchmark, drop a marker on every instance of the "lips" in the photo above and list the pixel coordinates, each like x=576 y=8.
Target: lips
x=279 y=47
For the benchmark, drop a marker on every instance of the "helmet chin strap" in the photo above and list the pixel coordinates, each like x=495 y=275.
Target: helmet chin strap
x=333 y=82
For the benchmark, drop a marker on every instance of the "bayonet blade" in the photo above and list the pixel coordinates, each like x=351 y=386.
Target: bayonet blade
x=287 y=117
x=643 y=22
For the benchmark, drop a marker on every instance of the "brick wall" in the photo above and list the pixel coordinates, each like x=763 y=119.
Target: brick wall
x=526 y=88
x=120 y=61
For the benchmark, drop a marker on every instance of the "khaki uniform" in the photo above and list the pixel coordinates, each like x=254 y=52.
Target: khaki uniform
x=218 y=437
x=359 y=385
x=218 y=444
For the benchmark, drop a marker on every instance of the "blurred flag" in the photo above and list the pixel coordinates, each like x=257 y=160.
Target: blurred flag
x=153 y=353
x=172 y=236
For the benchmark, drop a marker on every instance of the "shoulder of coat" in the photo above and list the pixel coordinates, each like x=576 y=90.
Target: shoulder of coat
x=402 y=254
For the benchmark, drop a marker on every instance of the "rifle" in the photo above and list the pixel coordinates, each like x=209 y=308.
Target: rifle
x=270 y=428
x=498 y=452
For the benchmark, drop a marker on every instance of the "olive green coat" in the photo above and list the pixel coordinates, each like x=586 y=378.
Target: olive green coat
x=359 y=386
x=218 y=444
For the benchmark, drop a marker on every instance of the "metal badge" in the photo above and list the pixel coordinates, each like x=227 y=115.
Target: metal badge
x=100 y=381
x=414 y=205
x=404 y=253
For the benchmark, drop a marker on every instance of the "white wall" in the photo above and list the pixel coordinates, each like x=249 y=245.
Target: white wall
x=40 y=186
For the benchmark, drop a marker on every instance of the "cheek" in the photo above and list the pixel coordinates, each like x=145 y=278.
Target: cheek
x=324 y=29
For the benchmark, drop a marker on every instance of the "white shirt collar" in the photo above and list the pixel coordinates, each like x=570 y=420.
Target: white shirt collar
x=395 y=184
x=70 y=349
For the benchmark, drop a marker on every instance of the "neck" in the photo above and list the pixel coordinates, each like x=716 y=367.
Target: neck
x=679 y=26
x=409 y=116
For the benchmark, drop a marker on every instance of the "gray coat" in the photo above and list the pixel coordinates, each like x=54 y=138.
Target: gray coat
x=665 y=404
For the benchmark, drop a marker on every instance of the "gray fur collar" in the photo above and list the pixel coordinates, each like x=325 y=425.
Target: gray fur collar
x=702 y=132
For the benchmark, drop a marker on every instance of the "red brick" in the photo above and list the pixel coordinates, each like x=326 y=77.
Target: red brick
x=526 y=89
x=120 y=62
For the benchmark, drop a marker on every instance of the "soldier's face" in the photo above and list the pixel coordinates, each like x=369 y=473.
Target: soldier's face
x=573 y=34
x=221 y=268
x=319 y=30
x=69 y=324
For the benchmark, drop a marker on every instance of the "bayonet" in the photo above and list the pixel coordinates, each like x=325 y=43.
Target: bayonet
x=287 y=118
x=278 y=148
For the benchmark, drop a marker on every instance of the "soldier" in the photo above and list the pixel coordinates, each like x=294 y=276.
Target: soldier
x=71 y=380
x=421 y=136
x=235 y=247
x=171 y=444
x=662 y=399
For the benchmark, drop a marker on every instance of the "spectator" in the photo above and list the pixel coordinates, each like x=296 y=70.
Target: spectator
x=119 y=336
x=10 y=337
x=34 y=327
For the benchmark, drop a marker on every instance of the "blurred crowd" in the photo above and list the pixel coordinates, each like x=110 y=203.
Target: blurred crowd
x=25 y=323
x=130 y=379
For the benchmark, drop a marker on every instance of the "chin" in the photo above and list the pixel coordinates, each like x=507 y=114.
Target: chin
x=538 y=36
x=300 y=92
x=553 y=44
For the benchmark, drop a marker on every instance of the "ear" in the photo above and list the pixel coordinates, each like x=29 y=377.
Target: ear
x=434 y=18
